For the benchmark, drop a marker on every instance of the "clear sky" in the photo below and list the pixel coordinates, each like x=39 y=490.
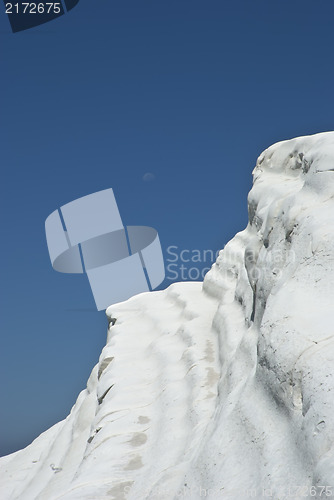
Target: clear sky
x=189 y=91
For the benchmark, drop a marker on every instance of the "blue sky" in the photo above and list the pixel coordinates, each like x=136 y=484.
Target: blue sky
x=190 y=91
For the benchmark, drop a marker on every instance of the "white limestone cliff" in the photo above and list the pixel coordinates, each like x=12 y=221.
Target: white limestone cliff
x=219 y=390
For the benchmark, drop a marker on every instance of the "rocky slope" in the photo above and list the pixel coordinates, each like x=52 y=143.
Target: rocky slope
x=217 y=390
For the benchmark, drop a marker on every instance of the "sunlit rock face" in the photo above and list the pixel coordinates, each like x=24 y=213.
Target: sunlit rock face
x=222 y=389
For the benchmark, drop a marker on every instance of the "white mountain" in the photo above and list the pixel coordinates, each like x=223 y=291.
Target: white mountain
x=217 y=390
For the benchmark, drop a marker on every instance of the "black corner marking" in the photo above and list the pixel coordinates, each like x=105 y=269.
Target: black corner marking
x=70 y=4
x=24 y=15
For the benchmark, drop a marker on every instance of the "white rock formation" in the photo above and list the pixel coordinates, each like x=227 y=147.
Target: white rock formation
x=224 y=390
